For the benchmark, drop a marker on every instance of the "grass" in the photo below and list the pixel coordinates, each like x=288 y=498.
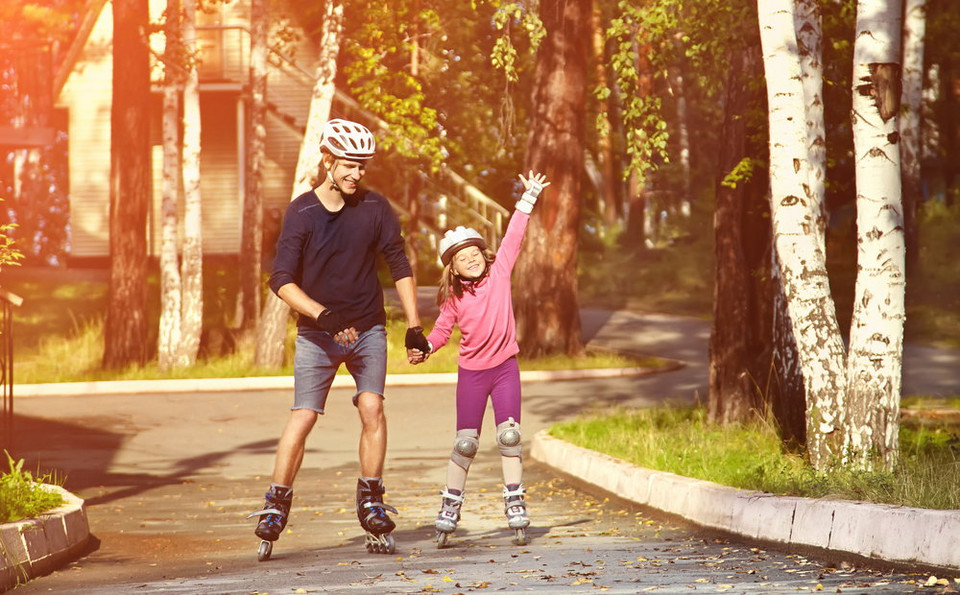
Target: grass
x=58 y=334
x=680 y=440
x=22 y=495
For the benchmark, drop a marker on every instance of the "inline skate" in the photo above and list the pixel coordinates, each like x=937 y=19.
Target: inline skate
x=273 y=519
x=449 y=515
x=515 y=509
x=372 y=513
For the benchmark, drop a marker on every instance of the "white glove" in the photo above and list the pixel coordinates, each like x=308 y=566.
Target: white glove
x=529 y=197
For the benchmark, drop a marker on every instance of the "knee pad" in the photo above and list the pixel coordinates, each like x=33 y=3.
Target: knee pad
x=465 y=447
x=508 y=438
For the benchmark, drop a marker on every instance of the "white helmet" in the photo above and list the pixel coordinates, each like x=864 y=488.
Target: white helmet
x=455 y=239
x=348 y=140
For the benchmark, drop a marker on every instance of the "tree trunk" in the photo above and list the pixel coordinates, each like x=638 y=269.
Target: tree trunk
x=191 y=271
x=273 y=321
x=876 y=333
x=168 y=342
x=641 y=211
x=609 y=197
x=809 y=27
x=251 y=243
x=548 y=312
x=678 y=85
x=802 y=261
x=125 y=329
x=914 y=36
x=735 y=391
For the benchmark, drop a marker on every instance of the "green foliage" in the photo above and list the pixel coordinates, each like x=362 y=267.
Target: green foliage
x=742 y=172
x=508 y=17
x=9 y=255
x=380 y=72
x=22 y=495
x=749 y=456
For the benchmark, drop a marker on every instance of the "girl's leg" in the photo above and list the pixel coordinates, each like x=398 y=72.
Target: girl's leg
x=473 y=386
x=506 y=399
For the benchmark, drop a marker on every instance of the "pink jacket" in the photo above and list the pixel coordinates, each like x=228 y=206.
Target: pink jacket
x=485 y=316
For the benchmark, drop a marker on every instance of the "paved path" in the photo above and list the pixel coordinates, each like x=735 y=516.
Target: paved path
x=168 y=479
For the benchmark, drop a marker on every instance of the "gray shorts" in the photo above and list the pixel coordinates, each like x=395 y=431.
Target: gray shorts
x=315 y=365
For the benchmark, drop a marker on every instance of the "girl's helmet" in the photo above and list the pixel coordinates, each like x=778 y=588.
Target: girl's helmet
x=348 y=140
x=455 y=239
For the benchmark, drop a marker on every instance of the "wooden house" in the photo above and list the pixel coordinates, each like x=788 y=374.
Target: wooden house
x=85 y=92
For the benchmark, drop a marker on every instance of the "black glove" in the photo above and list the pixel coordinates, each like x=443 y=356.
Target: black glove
x=330 y=321
x=416 y=340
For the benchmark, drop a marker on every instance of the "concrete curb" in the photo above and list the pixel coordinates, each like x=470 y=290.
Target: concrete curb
x=890 y=533
x=195 y=385
x=34 y=547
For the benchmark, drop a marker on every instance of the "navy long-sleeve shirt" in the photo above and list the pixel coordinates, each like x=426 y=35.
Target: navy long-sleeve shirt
x=332 y=257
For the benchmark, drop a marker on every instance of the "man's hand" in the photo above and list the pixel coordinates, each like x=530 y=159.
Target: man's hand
x=416 y=340
x=330 y=321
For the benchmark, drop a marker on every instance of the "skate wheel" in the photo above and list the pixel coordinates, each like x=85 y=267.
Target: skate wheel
x=521 y=537
x=381 y=544
x=441 y=539
x=266 y=548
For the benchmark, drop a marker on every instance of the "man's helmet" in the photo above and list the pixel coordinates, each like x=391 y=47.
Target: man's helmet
x=455 y=239
x=348 y=140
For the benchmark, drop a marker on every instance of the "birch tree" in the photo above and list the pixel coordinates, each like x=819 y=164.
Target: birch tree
x=809 y=27
x=876 y=334
x=794 y=216
x=251 y=241
x=914 y=35
x=168 y=342
x=273 y=321
x=191 y=267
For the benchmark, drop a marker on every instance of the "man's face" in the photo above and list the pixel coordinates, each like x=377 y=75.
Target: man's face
x=346 y=174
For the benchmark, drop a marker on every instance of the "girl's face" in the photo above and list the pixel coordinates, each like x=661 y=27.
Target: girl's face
x=469 y=263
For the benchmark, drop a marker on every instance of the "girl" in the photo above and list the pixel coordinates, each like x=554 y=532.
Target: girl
x=475 y=295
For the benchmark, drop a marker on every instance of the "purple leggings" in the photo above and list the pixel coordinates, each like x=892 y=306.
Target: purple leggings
x=501 y=383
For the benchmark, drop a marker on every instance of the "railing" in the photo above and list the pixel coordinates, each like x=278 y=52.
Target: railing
x=7 y=302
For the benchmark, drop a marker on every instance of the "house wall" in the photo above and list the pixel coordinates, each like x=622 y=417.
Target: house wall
x=87 y=95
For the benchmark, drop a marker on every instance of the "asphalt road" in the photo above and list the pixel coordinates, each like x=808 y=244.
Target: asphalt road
x=169 y=478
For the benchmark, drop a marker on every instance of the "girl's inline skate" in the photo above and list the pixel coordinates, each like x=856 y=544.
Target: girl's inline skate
x=516 y=510
x=449 y=515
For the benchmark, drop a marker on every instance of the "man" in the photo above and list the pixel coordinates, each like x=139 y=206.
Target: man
x=325 y=269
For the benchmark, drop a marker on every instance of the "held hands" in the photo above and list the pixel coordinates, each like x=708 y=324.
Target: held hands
x=330 y=321
x=532 y=187
x=418 y=348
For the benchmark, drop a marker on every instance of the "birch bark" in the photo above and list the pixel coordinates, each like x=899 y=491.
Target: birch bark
x=191 y=266
x=802 y=261
x=876 y=332
x=272 y=328
x=168 y=341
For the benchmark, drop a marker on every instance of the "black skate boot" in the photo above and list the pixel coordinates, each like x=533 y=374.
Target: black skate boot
x=372 y=513
x=273 y=519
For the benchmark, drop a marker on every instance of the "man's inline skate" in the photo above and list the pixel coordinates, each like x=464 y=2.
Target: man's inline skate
x=449 y=515
x=372 y=513
x=516 y=510
x=273 y=519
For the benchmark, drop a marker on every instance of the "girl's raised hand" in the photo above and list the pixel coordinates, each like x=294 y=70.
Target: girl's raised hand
x=539 y=179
